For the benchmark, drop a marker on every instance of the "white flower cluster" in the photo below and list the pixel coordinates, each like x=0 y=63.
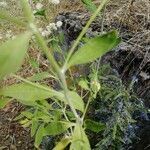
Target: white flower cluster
x=39 y=6
x=3 y=4
x=49 y=28
x=56 y=2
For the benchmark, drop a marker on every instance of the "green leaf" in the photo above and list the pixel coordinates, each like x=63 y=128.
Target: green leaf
x=76 y=101
x=89 y=5
x=94 y=126
x=34 y=63
x=57 y=127
x=42 y=116
x=54 y=128
x=40 y=13
x=94 y=48
x=28 y=94
x=12 y=54
x=25 y=122
x=79 y=140
x=39 y=135
x=4 y=102
x=84 y=84
x=62 y=144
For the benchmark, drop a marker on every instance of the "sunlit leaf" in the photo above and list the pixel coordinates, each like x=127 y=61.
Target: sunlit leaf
x=62 y=144
x=12 y=54
x=28 y=94
x=25 y=122
x=94 y=48
x=76 y=101
x=79 y=140
x=43 y=116
x=57 y=127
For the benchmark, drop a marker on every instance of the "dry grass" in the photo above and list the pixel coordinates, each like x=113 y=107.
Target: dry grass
x=133 y=21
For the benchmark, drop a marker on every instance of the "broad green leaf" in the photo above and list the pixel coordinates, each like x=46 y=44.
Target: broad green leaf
x=39 y=135
x=12 y=54
x=4 y=102
x=57 y=127
x=76 y=101
x=62 y=144
x=94 y=48
x=28 y=94
x=79 y=140
x=42 y=116
x=54 y=128
x=84 y=84
x=94 y=126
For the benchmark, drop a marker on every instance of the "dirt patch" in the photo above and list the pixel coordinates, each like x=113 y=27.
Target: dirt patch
x=12 y=135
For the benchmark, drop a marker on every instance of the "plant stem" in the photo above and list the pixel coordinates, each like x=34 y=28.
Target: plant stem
x=41 y=42
x=36 y=85
x=30 y=18
x=61 y=76
x=66 y=93
x=102 y=20
x=46 y=50
x=103 y=3
x=86 y=107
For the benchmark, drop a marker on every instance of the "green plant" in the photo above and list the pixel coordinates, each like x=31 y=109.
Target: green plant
x=53 y=112
x=89 y=5
x=114 y=106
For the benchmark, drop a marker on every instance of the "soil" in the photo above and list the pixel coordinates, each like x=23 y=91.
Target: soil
x=12 y=135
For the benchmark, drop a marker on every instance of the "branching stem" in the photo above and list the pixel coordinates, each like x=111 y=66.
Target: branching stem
x=103 y=3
